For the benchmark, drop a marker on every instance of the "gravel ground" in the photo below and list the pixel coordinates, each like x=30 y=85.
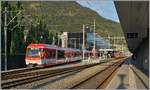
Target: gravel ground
x=66 y=80
x=73 y=80
x=40 y=83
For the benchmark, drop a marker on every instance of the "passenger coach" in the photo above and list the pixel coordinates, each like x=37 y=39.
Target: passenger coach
x=45 y=54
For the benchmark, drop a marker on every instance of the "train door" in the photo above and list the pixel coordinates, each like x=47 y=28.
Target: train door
x=66 y=55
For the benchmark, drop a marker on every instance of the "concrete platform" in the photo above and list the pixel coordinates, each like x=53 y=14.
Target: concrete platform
x=128 y=77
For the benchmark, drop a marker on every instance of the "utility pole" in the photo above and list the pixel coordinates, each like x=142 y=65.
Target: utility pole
x=5 y=31
x=114 y=42
x=83 y=42
x=75 y=43
x=58 y=36
x=67 y=40
x=56 y=56
x=94 y=37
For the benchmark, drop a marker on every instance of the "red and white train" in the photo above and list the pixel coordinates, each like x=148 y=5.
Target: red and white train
x=45 y=54
x=118 y=54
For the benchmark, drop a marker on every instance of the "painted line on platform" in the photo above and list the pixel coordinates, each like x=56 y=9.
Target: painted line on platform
x=132 y=82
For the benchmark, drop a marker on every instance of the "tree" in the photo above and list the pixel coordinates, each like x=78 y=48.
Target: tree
x=38 y=33
x=17 y=35
x=15 y=31
x=9 y=7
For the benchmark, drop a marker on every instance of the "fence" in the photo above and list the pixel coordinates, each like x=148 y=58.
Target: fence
x=13 y=62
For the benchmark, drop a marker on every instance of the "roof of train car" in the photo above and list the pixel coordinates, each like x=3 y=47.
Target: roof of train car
x=106 y=49
x=69 y=49
x=41 y=45
x=63 y=49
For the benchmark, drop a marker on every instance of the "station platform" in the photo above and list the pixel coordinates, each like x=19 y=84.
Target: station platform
x=129 y=77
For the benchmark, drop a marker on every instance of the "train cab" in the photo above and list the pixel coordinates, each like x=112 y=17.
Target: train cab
x=45 y=54
x=40 y=54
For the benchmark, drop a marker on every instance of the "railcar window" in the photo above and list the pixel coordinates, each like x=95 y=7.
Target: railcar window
x=33 y=52
x=49 y=54
x=60 y=54
x=53 y=53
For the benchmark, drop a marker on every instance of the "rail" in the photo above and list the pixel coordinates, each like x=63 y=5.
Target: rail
x=97 y=80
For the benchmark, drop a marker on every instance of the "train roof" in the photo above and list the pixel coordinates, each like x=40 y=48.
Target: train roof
x=69 y=49
x=75 y=49
x=41 y=45
x=87 y=51
x=106 y=50
x=63 y=49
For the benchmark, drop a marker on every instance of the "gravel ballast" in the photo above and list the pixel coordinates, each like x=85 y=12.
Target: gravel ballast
x=66 y=80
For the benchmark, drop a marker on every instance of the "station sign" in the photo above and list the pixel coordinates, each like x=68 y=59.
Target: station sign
x=75 y=35
x=132 y=35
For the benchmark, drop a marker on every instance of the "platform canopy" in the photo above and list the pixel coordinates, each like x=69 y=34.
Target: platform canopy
x=106 y=49
x=134 y=19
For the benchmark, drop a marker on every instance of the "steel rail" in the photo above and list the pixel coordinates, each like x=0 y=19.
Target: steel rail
x=40 y=76
x=91 y=80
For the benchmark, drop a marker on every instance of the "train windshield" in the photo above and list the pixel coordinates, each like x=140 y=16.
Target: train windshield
x=33 y=52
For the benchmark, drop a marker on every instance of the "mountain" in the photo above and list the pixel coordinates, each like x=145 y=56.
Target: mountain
x=69 y=16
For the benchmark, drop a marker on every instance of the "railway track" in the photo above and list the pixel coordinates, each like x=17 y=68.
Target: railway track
x=35 y=76
x=19 y=73
x=99 y=79
x=28 y=77
x=29 y=71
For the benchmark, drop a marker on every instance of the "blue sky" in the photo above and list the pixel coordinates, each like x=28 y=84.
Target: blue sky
x=105 y=8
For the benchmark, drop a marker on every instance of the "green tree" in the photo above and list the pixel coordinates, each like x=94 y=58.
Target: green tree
x=38 y=33
x=9 y=7
x=15 y=36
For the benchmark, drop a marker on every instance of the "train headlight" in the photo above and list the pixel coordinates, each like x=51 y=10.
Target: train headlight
x=39 y=54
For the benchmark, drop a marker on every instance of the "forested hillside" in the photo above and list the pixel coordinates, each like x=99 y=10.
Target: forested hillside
x=69 y=16
x=42 y=22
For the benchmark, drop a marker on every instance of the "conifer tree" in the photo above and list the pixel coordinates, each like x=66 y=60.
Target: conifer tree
x=17 y=35
x=38 y=33
x=15 y=31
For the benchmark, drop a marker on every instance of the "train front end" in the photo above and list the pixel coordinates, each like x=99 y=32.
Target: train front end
x=33 y=56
